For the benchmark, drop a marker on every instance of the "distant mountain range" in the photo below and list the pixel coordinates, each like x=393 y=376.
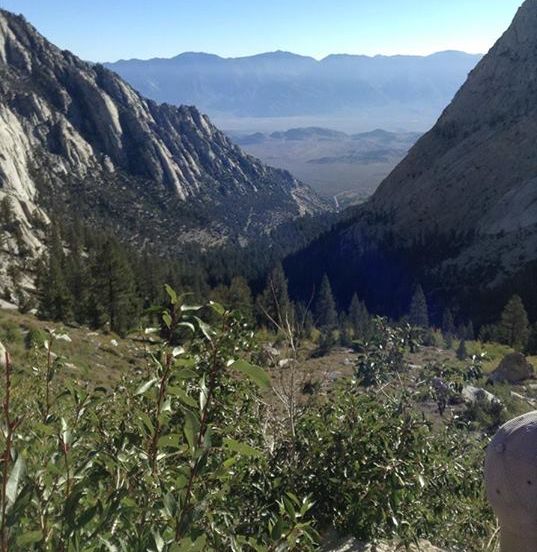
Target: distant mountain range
x=383 y=91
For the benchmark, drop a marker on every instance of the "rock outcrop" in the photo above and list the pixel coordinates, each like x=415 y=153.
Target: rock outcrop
x=459 y=212
x=76 y=139
x=476 y=170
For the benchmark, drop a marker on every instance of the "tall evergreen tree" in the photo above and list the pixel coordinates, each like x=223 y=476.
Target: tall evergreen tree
x=419 y=311
x=470 y=331
x=55 y=298
x=359 y=317
x=462 y=353
x=531 y=347
x=513 y=329
x=240 y=297
x=273 y=304
x=325 y=306
x=448 y=324
x=113 y=298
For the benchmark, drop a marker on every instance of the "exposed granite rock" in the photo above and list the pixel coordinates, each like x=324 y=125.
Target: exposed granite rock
x=476 y=169
x=75 y=137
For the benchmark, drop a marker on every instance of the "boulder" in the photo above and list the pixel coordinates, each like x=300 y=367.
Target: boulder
x=472 y=395
x=514 y=368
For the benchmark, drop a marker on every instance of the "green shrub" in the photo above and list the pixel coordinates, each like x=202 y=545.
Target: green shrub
x=35 y=338
x=375 y=468
x=172 y=460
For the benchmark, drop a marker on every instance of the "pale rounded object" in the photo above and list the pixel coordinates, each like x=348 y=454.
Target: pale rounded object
x=511 y=482
x=2 y=356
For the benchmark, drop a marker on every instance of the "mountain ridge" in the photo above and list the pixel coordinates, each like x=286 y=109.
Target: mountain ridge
x=286 y=85
x=275 y=53
x=79 y=141
x=458 y=214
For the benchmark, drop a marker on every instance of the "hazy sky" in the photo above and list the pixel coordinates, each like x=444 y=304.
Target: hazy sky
x=107 y=30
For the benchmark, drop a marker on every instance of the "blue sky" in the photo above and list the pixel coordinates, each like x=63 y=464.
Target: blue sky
x=106 y=30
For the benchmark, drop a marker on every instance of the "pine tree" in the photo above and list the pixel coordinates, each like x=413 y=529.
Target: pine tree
x=273 y=304
x=513 y=328
x=419 y=312
x=359 y=318
x=113 y=297
x=448 y=324
x=55 y=299
x=325 y=306
x=240 y=297
x=531 y=347
x=470 y=331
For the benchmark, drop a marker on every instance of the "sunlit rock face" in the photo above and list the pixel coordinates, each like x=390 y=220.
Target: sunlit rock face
x=74 y=137
x=476 y=169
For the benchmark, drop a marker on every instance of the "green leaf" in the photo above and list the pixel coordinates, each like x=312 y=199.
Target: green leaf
x=189 y=308
x=66 y=435
x=204 y=394
x=206 y=330
x=254 y=373
x=217 y=307
x=145 y=386
x=187 y=545
x=159 y=541
x=29 y=538
x=185 y=372
x=176 y=351
x=182 y=395
x=171 y=294
x=86 y=516
x=191 y=428
x=167 y=319
x=109 y=546
x=188 y=325
x=12 y=486
x=172 y=441
x=242 y=448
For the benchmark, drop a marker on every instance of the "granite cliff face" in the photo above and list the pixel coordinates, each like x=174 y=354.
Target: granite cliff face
x=476 y=169
x=76 y=139
x=459 y=213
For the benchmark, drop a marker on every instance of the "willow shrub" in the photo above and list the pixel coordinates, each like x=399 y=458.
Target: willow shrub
x=163 y=462
x=188 y=455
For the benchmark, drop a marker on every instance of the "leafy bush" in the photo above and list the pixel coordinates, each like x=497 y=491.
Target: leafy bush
x=375 y=468
x=168 y=461
x=190 y=454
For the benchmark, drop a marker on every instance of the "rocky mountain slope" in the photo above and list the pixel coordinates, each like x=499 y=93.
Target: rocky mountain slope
x=476 y=170
x=75 y=138
x=465 y=195
x=337 y=91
